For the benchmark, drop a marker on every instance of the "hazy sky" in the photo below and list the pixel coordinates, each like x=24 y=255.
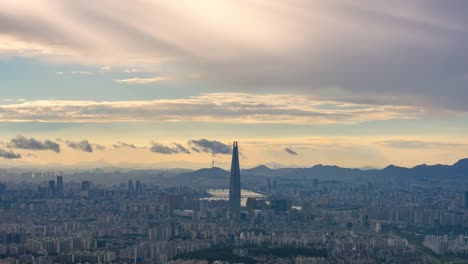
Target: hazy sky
x=351 y=83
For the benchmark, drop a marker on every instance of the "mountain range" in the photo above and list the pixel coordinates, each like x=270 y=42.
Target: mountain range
x=327 y=172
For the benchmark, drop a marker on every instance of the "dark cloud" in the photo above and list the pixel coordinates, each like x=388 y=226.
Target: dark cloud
x=121 y=144
x=81 y=145
x=181 y=148
x=290 y=151
x=21 y=142
x=164 y=149
x=416 y=144
x=210 y=146
x=9 y=154
x=195 y=149
x=99 y=147
x=30 y=155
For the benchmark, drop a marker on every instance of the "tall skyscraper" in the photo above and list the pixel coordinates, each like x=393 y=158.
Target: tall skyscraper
x=51 y=190
x=131 y=188
x=138 y=187
x=59 y=184
x=234 y=186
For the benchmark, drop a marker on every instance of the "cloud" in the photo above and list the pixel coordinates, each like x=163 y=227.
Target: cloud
x=181 y=148
x=290 y=151
x=121 y=144
x=138 y=80
x=213 y=107
x=21 y=142
x=82 y=72
x=210 y=146
x=195 y=149
x=164 y=149
x=30 y=155
x=418 y=144
x=75 y=72
x=81 y=145
x=131 y=70
x=84 y=145
x=396 y=52
x=9 y=154
x=99 y=147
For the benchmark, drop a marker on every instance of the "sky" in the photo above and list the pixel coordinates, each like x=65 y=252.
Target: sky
x=174 y=83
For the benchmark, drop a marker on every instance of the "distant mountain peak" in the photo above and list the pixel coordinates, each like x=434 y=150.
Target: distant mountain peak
x=210 y=172
x=391 y=166
x=261 y=167
x=461 y=163
x=213 y=169
x=325 y=166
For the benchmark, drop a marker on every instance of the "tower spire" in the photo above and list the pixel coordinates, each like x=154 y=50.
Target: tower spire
x=234 y=185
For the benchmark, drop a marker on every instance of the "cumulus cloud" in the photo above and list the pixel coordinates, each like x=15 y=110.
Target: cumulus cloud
x=210 y=146
x=165 y=149
x=21 y=142
x=417 y=144
x=84 y=145
x=212 y=107
x=9 y=154
x=140 y=80
x=396 y=51
x=290 y=151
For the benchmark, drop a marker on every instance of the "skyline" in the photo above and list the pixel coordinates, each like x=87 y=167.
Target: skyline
x=299 y=83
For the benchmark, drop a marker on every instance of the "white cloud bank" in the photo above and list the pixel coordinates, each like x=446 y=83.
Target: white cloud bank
x=138 y=80
x=213 y=107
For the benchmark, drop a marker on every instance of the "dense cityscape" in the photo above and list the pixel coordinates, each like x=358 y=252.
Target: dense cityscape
x=233 y=132
x=53 y=217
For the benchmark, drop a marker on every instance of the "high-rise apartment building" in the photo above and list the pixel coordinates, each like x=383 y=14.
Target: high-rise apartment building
x=59 y=184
